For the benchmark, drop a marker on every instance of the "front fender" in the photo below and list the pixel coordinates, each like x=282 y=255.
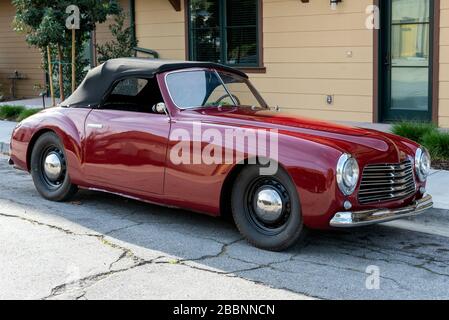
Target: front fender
x=312 y=165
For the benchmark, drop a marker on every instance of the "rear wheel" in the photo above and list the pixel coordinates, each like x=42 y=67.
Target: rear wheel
x=49 y=169
x=266 y=209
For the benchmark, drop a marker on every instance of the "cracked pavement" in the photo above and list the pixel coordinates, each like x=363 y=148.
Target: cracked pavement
x=102 y=246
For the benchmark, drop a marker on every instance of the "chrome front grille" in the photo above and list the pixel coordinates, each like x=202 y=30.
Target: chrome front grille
x=386 y=182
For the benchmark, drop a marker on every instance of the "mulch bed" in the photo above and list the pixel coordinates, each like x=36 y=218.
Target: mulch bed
x=440 y=164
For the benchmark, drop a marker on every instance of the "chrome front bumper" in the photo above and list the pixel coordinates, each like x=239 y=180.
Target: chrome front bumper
x=368 y=217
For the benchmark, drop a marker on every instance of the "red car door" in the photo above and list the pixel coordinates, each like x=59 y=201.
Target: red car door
x=126 y=150
x=126 y=140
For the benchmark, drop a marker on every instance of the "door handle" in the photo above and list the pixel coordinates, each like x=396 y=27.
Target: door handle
x=95 y=125
x=387 y=61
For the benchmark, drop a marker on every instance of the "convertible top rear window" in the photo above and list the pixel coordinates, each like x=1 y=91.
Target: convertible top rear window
x=130 y=87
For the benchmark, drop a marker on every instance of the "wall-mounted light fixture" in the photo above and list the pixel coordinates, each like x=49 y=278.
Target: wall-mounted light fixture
x=334 y=4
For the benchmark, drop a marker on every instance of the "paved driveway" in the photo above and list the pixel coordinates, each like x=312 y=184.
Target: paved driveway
x=6 y=129
x=103 y=246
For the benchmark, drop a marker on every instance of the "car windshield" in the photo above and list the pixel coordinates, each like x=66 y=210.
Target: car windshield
x=206 y=88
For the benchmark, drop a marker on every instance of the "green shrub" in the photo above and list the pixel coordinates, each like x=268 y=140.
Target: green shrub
x=27 y=113
x=426 y=134
x=8 y=112
x=437 y=143
x=414 y=130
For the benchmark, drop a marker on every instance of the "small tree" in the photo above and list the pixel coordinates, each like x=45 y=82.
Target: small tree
x=123 y=44
x=43 y=21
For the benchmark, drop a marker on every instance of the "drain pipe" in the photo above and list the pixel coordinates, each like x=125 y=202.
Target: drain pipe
x=132 y=17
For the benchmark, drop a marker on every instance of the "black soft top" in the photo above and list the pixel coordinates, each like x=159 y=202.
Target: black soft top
x=100 y=79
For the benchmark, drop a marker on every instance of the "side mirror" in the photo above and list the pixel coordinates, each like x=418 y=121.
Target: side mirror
x=160 y=108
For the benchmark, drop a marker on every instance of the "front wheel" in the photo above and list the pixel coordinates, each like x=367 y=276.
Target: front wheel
x=266 y=209
x=49 y=169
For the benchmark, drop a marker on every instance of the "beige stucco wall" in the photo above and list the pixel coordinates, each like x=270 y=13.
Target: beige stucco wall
x=305 y=54
x=444 y=65
x=16 y=55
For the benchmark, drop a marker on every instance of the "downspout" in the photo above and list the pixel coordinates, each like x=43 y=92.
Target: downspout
x=132 y=17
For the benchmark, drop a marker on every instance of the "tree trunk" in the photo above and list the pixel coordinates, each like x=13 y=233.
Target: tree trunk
x=73 y=61
x=94 y=47
x=50 y=76
x=61 y=78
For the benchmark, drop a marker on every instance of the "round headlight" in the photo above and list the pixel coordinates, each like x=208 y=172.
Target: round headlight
x=422 y=164
x=347 y=174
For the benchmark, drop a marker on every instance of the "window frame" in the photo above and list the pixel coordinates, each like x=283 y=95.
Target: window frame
x=253 y=68
x=109 y=92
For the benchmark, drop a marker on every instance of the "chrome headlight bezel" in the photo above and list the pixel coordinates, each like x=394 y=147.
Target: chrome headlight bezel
x=422 y=164
x=348 y=174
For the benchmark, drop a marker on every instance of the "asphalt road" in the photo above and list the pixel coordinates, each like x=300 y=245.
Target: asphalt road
x=102 y=246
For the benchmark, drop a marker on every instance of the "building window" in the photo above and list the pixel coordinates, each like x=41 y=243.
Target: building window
x=225 y=31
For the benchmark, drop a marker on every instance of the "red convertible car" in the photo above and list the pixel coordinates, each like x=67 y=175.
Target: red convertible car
x=140 y=128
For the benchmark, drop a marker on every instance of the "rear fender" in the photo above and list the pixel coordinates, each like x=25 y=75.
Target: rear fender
x=68 y=127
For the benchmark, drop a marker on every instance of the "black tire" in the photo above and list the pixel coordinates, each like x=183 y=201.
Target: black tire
x=276 y=235
x=54 y=189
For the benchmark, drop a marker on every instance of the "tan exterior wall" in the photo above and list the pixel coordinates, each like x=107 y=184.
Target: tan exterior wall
x=103 y=32
x=16 y=55
x=306 y=53
x=159 y=27
x=306 y=49
x=444 y=65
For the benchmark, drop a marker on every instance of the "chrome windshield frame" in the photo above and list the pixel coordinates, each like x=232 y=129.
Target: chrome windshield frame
x=257 y=96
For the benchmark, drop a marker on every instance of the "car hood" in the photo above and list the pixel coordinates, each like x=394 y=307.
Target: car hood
x=369 y=144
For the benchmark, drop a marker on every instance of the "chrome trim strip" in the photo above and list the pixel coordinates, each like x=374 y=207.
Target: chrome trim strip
x=367 y=217
x=95 y=125
x=226 y=88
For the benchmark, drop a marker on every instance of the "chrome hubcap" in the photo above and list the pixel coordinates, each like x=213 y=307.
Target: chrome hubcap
x=268 y=205
x=53 y=166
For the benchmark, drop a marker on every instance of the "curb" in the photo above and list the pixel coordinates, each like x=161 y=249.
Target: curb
x=4 y=148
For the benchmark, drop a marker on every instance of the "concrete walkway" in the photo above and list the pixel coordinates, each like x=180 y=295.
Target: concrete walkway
x=438 y=188
x=30 y=103
x=6 y=129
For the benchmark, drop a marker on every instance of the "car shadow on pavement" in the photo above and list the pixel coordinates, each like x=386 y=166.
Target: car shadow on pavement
x=374 y=262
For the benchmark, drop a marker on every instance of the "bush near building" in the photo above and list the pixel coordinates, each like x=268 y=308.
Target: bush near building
x=428 y=135
x=16 y=113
